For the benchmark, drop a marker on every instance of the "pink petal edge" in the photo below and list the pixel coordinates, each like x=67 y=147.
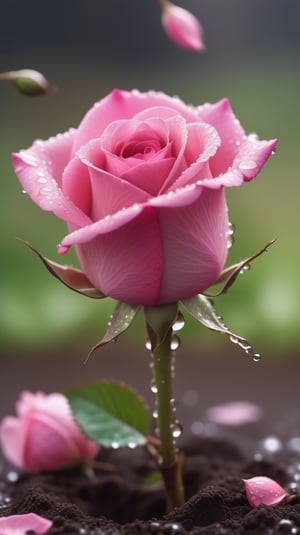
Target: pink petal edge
x=262 y=490
x=19 y=524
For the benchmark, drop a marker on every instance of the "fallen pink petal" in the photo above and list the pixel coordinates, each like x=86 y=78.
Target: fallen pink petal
x=262 y=490
x=235 y=413
x=182 y=27
x=20 y=524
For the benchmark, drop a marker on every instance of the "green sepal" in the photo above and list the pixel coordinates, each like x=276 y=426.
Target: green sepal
x=110 y=413
x=71 y=277
x=119 y=321
x=229 y=275
x=159 y=320
x=202 y=309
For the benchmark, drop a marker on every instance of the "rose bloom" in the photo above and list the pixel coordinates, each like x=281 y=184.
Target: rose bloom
x=140 y=184
x=44 y=435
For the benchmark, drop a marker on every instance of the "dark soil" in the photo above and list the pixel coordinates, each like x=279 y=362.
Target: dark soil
x=114 y=500
x=216 y=457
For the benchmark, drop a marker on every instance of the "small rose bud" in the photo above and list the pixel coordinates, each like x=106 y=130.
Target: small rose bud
x=182 y=27
x=264 y=491
x=44 y=435
x=20 y=524
x=29 y=82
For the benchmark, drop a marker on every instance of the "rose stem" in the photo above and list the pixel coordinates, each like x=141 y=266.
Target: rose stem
x=170 y=461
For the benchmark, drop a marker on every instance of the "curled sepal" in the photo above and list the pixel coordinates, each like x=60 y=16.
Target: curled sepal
x=262 y=490
x=110 y=413
x=71 y=277
x=119 y=321
x=159 y=319
x=29 y=82
x=202 y=309
x=229 y=275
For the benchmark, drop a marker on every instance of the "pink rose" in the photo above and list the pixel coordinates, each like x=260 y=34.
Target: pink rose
x=44 y=435
x=141 y=184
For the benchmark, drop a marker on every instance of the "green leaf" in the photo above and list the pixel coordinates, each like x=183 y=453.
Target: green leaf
x=110 y=413
x=202 y=309
x=119 y=321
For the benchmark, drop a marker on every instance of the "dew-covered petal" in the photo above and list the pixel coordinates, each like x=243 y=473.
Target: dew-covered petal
x=20 y=524
x=221 y=116
x=126 y=264
x=106 y=225
x=202 y=143
x=262 y=490
x=40 y=170
x=252 y=156
x=120 y=105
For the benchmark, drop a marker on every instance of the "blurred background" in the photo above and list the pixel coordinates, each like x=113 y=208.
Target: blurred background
x=88 y=47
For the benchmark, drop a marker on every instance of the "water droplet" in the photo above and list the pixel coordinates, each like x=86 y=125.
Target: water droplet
x=271 y=444
x=12 y=477
x=179 y=323
x=115 y=445
x=153 y=387
x=175 y=343
x=155 y=413
x=176 y=429
x=132 y=445
x=244 y=269
x=148 y=345
x=256 y=357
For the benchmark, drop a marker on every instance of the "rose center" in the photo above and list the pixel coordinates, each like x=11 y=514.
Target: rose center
x=140 y=149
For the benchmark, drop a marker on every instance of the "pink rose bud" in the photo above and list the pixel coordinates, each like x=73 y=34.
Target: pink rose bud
x=182 y=27
x=141 y=184
x=44 y=435
x=29 y=82
x=21 y=524
x=264 y=491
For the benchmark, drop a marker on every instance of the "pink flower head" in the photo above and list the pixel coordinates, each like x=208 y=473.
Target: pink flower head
x=264 y=491
x=141 y=185
x=182 y=27
x=44 y=435
x=20 y=524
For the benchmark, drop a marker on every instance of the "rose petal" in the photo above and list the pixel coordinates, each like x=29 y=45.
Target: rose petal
x=253 y=155
x=262 y=490
x=234 y=413
x=120 y=105
x=134 y=270
x=40 y=169
x=194 y=245
x=11 y=439
x=20 y=524
x=221 y=116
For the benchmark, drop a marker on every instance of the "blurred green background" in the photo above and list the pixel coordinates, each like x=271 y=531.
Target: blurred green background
x=87 y=47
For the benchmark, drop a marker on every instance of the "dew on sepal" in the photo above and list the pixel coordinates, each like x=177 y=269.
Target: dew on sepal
x=179 y=322
x=175 y=342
